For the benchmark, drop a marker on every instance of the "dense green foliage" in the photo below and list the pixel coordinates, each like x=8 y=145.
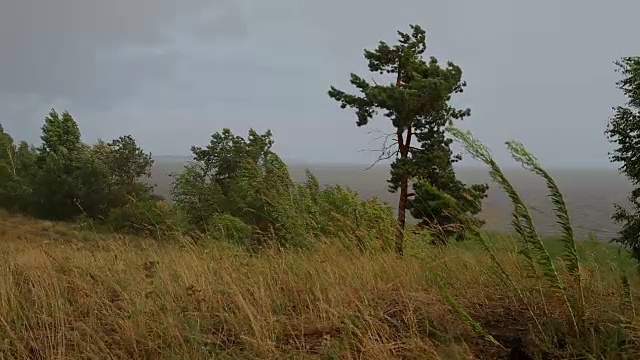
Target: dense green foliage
x=11 y=172
x=624 y=131
x=235 y=189
x=64 y=178
x=240 y=188
x=417 y=104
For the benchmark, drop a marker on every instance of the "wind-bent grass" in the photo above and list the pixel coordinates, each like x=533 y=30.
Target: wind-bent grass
x=520 y=154
x=478 y=329
x=628 y=294
x=70 y=294
x=522 y=221
x=507 y=279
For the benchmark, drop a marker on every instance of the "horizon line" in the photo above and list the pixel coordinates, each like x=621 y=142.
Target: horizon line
x=298 y=162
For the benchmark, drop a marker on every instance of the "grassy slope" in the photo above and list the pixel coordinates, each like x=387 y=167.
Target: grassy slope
x=68 y=294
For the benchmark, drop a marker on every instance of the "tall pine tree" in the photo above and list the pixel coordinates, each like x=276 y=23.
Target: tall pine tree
x=417 y=104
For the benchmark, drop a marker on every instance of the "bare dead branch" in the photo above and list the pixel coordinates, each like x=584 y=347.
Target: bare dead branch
x=389 y=148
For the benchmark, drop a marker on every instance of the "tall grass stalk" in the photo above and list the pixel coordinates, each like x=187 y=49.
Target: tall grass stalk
x=521 y=217
x=570 y=255
x=627 y=294
x=482 y=153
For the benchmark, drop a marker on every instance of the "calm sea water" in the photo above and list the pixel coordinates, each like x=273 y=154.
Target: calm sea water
x=590 y=193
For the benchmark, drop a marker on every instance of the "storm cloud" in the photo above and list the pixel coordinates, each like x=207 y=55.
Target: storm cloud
x=172 y=72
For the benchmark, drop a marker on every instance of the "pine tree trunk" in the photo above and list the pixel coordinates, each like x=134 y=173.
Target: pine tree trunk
x=404 y=146
x=402 y=217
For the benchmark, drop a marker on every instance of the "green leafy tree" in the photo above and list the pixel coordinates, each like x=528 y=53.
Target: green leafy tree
x=6 y=143
x=55 y=185
x=197 y=197
x=25 y=170
x=60 y=134
x=17 y=171
x=623 y=130
x=7 y=149
x=206 y=186
x=133 y=207
x=65 y=187
x=241 y=178
x=129 y=165
x=8 y=172
x=417 y=103
x=90 y=179
x=128 y=162
x=263 y=196
x=65 y=178
x=69 y=180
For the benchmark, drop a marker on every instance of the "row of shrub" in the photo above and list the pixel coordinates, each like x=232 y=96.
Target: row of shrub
x=235 y=189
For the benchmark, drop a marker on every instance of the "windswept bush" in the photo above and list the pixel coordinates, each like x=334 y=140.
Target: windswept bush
x=239 y=178
x=148 y=217
x=225 y=227
x=338 y=213
x=237 y=181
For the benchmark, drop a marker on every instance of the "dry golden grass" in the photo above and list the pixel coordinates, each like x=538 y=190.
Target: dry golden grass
x=73 y=295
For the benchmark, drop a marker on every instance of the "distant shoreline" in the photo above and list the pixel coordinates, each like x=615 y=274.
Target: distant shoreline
x=590 y=193
x=300 y=163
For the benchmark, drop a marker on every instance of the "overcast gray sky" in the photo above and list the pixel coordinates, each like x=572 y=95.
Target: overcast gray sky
x=172 y=72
